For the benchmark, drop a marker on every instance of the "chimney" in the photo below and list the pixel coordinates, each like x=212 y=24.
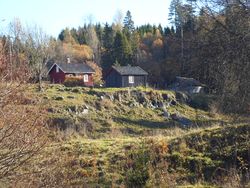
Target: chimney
x=68 y=60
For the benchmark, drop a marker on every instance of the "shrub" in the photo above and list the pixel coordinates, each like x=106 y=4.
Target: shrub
x=136 y=168
x=72 y=82
x=201 y=101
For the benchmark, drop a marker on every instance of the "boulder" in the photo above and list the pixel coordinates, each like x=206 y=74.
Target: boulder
x=166 y=114
x=165 y=96
x=173 y=102
x=111 y=97
x=85 y=106
x=85 y=111
x=182 y=97
x=60 y=89
x=58 y=98
x=76 y=90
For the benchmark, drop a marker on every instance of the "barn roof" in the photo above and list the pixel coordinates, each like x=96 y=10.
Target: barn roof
x=73 y=67
x=129 y=70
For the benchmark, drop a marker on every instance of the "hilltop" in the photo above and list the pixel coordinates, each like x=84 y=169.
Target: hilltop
x=105 y=112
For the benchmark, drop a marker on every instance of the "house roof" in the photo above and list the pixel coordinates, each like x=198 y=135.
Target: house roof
x=129 y=70
x=185 y=82
x=73 y=67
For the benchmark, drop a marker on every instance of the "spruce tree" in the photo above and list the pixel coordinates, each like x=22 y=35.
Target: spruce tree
x=122 y=49
x=128 y=27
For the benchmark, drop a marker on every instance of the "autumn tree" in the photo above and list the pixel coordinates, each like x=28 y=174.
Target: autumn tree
x=93 y=41
x=39 y=48
x=22 y=132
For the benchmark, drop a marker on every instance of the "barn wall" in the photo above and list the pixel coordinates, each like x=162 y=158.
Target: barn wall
x=113 y=79
x=139 y=80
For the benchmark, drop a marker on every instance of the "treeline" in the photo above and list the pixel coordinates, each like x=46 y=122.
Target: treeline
x=123 y=43
x=209 y=41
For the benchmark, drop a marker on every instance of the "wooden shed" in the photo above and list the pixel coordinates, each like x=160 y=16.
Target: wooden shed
x=126 y=76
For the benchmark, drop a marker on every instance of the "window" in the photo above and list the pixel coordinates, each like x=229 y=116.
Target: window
x=57 y=68
x=85 y=78
x=130 y=79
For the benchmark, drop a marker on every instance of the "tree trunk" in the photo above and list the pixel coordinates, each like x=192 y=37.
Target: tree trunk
x=40 y=88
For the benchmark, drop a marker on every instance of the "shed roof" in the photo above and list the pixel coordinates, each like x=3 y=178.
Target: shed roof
x=130 y=70
x=184 y=81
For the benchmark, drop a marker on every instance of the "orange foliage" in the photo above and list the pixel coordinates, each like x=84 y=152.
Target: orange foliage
x=83 y=53
x=97 y=77
x=77 y=51
x=158 y=43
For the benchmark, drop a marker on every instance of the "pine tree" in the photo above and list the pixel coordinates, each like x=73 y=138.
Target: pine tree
x=122 y=49
x=66 y=36
x=107 y=42
x=128 y=27
x=108 y=37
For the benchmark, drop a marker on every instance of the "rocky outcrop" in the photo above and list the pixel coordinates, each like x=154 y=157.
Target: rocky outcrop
x=148 y=99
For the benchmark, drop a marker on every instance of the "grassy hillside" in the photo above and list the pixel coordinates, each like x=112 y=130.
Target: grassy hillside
x=135 y=138
x=98 y=113
x=208 y=158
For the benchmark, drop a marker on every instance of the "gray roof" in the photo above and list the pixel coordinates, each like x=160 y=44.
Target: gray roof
x=185 y=82
x=75 y=68
x=129 y=70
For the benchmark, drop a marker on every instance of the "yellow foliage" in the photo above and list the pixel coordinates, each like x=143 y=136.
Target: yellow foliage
x=77 y=51
x=158 y=43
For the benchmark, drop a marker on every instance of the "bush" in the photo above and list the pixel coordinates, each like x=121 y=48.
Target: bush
x=72 y=82
x=136 y=168
x=201 y=101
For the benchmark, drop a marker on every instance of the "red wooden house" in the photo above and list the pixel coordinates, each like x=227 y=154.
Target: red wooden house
x=59 y=72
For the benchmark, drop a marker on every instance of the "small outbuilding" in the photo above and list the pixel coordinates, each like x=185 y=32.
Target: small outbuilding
x=59 y=72
x=126 y=76
x=188 y=85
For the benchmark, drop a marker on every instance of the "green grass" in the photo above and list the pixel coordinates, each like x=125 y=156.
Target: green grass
x=103 y=147
x=103 y=162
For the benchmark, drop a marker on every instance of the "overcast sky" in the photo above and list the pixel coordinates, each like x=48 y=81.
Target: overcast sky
x=54 y=15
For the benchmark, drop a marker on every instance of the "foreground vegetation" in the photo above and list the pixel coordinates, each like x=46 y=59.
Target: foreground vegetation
x=131 y=137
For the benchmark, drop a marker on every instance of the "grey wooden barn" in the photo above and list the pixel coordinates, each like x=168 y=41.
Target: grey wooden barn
x=126 y=76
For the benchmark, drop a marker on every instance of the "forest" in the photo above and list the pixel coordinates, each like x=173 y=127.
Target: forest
x=52 y=135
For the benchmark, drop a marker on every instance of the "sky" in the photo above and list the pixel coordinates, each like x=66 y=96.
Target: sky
x=55 y=15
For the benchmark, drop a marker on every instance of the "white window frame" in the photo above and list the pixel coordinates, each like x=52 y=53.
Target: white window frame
x=85 y=78
x=57 y=69
x=131 y=79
